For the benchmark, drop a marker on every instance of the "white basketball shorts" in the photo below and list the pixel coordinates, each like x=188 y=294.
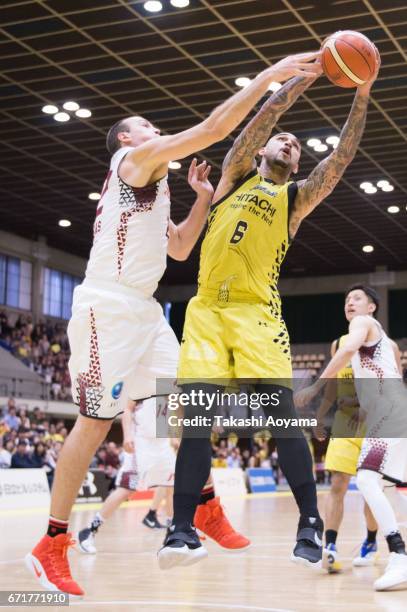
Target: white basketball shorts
x=120 y=345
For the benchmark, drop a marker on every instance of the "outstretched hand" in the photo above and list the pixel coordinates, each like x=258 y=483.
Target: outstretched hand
x=365 y=88
x=198 y=178
x=302 y=64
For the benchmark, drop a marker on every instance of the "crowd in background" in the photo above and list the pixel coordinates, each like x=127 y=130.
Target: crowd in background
x=34 y=440
x=43 y=347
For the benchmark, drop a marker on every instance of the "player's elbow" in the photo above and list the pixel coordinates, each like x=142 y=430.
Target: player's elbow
x=179 y=253
x=215 y=129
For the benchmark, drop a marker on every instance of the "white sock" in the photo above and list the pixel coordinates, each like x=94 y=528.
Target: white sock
x=370 y=484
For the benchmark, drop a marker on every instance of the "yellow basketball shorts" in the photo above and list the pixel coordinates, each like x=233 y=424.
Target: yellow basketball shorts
x=233 y=340
x=343 y=454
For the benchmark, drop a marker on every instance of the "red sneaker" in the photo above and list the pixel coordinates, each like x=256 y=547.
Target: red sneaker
x=211 y=520
x=48 y=562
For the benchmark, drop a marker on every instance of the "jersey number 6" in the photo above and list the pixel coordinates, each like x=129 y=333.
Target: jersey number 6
x=239 y=232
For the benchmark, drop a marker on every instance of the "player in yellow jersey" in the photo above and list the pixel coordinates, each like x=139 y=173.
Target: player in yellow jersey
x=234 y=327
x=341 y=460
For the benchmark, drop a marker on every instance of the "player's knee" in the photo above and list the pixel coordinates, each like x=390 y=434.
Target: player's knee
x=92 y=429
x=365 y=479
x=339 y=484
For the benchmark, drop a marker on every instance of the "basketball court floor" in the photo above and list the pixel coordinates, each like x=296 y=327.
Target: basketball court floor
x=124 y=575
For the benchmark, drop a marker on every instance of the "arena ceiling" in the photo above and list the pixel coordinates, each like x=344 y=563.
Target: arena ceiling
x=173 y=67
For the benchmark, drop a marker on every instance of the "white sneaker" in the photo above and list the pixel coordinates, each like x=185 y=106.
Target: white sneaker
x=368 y=555
x=395 y=575
x=86 y=542
x=330 y=560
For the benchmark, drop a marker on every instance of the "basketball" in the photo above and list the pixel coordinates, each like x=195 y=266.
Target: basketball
x=348 y=58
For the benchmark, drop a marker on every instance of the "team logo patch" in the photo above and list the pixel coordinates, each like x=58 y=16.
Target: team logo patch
x=116 y=390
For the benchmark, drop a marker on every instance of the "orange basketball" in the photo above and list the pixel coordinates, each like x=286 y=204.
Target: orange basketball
x=348 y=58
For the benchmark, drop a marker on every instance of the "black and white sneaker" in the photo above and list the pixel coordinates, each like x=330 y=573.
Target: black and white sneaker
x=308 y=550
x=151 y=521
x=86 y=542
x=182 y=546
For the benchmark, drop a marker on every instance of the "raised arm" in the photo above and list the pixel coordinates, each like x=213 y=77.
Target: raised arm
x=140 y=164
x=358 y=333
x=241 y=157
x=326 y=175
x=183 y=237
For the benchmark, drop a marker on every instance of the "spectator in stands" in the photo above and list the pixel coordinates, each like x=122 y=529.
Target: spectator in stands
x=6 y=450
x=38 y=457
x=21 y=458
x=234 y=459
x=24 y=418
x=4 y=428
x=11 y=419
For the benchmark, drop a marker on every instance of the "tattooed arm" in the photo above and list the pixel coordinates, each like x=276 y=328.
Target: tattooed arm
x=241 y=157
x=326 y=175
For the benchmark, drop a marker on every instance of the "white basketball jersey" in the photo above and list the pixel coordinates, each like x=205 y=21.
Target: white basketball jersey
x=376 y=359
x=375 y=370
x=130 y=232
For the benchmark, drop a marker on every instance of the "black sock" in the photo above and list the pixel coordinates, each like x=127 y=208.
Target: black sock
x=330 y=536
x=207 y=494
x=56 y=527
x=396 y=543
x=151 y=514
x=371 y=536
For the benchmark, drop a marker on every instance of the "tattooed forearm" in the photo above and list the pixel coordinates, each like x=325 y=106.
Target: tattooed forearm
x=254 y=135
x=326 y=175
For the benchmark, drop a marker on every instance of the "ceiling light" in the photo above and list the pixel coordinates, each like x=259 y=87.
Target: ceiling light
x=387 y=188
x=393 y=209
x=332 y=140
x=382 y=183
x=83 y=113
x=174 y=165
x=366 y=185
x=242 y=81
x=179 y=3
x=370 y=189
x=94 y=196
x=49 y=109
x=368 y=248
x=313 y=142
x=274 y=86
x=64 y=223
x=320 y=147
x=71 y=106
x=61 y=117
x=153 y=6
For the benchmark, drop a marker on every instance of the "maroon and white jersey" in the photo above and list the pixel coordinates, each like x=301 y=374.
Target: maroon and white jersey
x=130 y=232
x=376 y=359
x=378 y=382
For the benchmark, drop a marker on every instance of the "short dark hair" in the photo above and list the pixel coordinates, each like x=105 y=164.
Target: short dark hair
x=371 y=293
x=112 y=142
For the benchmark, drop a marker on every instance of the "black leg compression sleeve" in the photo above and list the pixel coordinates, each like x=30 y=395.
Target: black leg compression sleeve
x=294 y=454
x=193 y=464
x=192 y=470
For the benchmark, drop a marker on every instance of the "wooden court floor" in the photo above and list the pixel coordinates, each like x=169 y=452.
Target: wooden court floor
x=124 y=575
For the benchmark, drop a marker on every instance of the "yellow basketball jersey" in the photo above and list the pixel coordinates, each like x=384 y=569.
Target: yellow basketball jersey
x=246 y=242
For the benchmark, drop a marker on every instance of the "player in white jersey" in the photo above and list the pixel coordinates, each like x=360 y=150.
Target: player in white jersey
x=382 y=396
x=149 y=463
x=118 y=332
